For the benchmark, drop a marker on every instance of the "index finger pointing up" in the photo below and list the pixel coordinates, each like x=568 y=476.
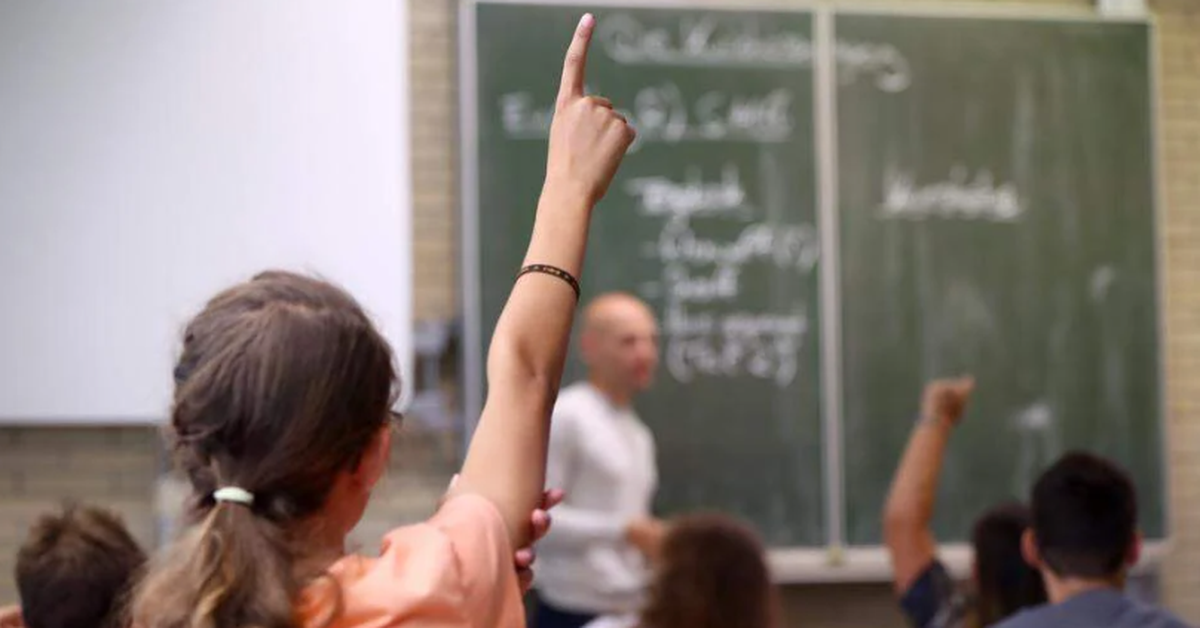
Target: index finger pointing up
x=573 y=66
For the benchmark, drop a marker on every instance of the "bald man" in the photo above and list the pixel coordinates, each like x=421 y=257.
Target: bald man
x=594 y=560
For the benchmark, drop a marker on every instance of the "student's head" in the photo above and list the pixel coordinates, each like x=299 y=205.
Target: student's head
x=283 y=389
x=75 y=570
x=1004 y=582
x=619 y=342
x=712 y=573
x=1084 y=520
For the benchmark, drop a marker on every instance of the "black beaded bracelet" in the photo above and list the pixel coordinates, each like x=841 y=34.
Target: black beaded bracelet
x=553 y=271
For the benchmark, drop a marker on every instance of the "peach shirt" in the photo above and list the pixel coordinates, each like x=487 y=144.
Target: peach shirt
x=453 y=571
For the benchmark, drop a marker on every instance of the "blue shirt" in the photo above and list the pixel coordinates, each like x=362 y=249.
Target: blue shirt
x=933 y=600
x=1101 y=608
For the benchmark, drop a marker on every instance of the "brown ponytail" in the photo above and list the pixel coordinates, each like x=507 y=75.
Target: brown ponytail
x=282 y=383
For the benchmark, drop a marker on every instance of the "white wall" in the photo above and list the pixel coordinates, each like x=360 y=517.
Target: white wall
x=153 y=152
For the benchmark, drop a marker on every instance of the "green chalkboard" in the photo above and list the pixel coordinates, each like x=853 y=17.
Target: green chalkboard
x=712 y=220
x=997 y=218
x=991 y=211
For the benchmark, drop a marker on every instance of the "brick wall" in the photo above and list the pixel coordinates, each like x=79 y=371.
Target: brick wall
x=1179 y=154
x=118 y=467
x=41 y=468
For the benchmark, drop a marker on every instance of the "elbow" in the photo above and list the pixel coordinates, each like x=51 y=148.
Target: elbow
x=511 y=365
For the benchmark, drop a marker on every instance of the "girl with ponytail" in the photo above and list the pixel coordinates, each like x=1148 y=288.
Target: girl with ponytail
x=281 y=421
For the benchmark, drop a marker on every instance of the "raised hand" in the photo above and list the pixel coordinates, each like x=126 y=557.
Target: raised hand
x=588 y=139
x=946 y=399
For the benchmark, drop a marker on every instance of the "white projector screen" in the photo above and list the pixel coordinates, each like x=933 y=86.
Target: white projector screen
x=154 y=152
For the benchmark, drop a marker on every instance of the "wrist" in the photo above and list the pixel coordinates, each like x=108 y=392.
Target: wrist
x=563 y=193
x=939 y=421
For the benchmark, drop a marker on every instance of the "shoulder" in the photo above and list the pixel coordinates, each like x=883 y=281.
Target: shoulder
x=1158 y=617
x=414 y=573
x=1035 y=617
x=454 y=569
x=579 y=394
x=934 y=600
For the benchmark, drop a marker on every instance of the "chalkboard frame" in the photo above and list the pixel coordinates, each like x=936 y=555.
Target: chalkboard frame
x=835 y=562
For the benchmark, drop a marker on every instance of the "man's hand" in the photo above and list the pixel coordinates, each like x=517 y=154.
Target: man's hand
x=540 y=519
x=647 y=534
x=946 y=399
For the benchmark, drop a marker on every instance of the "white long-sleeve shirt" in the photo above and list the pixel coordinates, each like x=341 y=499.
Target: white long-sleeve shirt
x=603 y=457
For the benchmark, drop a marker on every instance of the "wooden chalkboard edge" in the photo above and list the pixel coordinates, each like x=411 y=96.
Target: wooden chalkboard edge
x=992 y=10
x=871 y=564
x=471 y=358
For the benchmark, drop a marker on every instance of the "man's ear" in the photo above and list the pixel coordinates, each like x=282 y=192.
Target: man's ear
x=1134 y=553
x=1029 y=549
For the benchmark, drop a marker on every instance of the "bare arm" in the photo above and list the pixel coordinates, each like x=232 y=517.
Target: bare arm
x=506 y=461
x=909 y=509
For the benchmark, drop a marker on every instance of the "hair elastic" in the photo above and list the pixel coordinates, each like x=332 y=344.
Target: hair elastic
x=235 y=495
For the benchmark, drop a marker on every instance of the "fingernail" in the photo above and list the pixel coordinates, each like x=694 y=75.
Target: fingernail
x=586 y=21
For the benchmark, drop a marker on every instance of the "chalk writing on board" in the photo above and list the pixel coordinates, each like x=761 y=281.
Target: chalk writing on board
x=685 y=285
x=660 y=113
x=761 y=345
x=766 y=118
x=707 y=328
x=783 y=245
x=522 y=118
x=884 y=62
x=709 y=41
x=960 y=196
x=1100 y=282
x=1039 y=443
x=692 y=196
x=702 y=41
